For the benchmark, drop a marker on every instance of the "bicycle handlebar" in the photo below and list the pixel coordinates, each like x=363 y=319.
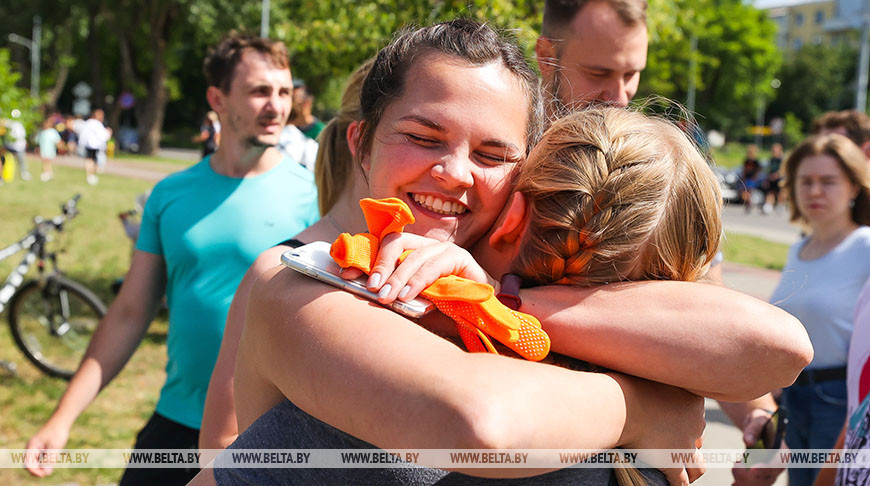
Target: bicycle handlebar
x=69 y=207
x=68 y=211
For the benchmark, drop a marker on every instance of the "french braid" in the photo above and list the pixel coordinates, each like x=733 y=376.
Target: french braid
x=615 y=195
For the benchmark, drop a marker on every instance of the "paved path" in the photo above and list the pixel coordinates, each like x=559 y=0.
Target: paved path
x=145 y=170
x=774 y=226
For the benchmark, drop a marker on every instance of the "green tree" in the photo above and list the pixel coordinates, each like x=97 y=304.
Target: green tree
x=736 y=58
x=328 y=40
x=816 y=79
x=13 y=97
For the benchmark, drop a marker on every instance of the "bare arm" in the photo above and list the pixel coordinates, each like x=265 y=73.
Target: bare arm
x=700 y=337
x=739 y=412
x=116 y=338
x=697 y=336
x=383 y=379
x=219 y=426
x=201 y=137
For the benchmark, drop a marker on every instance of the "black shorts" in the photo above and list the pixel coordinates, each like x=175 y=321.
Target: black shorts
x=772 y=186
x=162 y=433
x=91 y=154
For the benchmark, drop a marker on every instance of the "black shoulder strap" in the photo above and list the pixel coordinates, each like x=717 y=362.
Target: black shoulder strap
x=292 y=243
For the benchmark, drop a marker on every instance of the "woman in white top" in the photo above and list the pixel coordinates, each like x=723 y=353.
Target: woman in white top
x=826 y=178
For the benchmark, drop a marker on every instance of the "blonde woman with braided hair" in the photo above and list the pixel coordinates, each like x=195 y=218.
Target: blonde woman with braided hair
x=612 y=195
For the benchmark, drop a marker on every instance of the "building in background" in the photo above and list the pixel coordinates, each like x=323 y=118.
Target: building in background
x=804 y=22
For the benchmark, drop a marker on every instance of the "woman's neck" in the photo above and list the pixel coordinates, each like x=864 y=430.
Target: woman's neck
x=826 y=237
x=832 y=231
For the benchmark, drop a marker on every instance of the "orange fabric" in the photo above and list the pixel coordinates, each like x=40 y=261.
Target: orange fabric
x=472 y=305
x=383 y=216
x=358 y=251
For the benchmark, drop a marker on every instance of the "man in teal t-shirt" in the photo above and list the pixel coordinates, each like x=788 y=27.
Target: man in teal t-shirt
x=209 y=228
x=201 y=229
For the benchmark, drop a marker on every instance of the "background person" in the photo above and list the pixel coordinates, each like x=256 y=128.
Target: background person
x=69 y=135
x=302 y=116
x=826 y=178
x=771 y=184
x=209 y=133
x=852 y=124
x=751 y=416
x=340 y=186
x=856 y=430
x=92 y=138
x=592 y=51
x=49 y=141
x=750 y=176
x=201 y=229
x=296 y=145
x=16 y=144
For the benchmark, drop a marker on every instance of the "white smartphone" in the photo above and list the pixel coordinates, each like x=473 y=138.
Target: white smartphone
x=314 y=260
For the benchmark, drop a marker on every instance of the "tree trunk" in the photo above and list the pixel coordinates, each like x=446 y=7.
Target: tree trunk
x=65 y=41
x=98 y=97
x=126 y=78
x=150 y=113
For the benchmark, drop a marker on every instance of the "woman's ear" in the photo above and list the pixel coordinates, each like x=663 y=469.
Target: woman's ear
x=353 y=134
x=513 y=223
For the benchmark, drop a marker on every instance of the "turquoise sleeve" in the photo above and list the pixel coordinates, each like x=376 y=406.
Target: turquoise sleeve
x=149 y=235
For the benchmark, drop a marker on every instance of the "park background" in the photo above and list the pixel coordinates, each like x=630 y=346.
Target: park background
x=737 y=65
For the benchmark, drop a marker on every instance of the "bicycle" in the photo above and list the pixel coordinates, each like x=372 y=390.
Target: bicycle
x=52 y=318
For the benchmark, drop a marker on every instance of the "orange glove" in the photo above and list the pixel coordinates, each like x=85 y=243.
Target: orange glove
x=383 y=216
x=472 y=305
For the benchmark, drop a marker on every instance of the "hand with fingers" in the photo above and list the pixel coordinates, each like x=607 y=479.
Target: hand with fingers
x=756 y=474
x=438 y=272
x=430 y=260
x=50 y=437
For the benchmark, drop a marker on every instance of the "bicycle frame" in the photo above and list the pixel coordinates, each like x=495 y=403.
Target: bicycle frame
x=34 y=241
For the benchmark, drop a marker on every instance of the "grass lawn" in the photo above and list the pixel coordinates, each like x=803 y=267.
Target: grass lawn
x=754 y=251
x=152 y=159
x=731 y=156
x=96 y=252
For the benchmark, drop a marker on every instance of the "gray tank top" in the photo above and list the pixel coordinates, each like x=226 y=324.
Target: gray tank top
x=285 y=426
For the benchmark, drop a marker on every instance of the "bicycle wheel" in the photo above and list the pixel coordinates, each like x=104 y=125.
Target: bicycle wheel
x=53 y=323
